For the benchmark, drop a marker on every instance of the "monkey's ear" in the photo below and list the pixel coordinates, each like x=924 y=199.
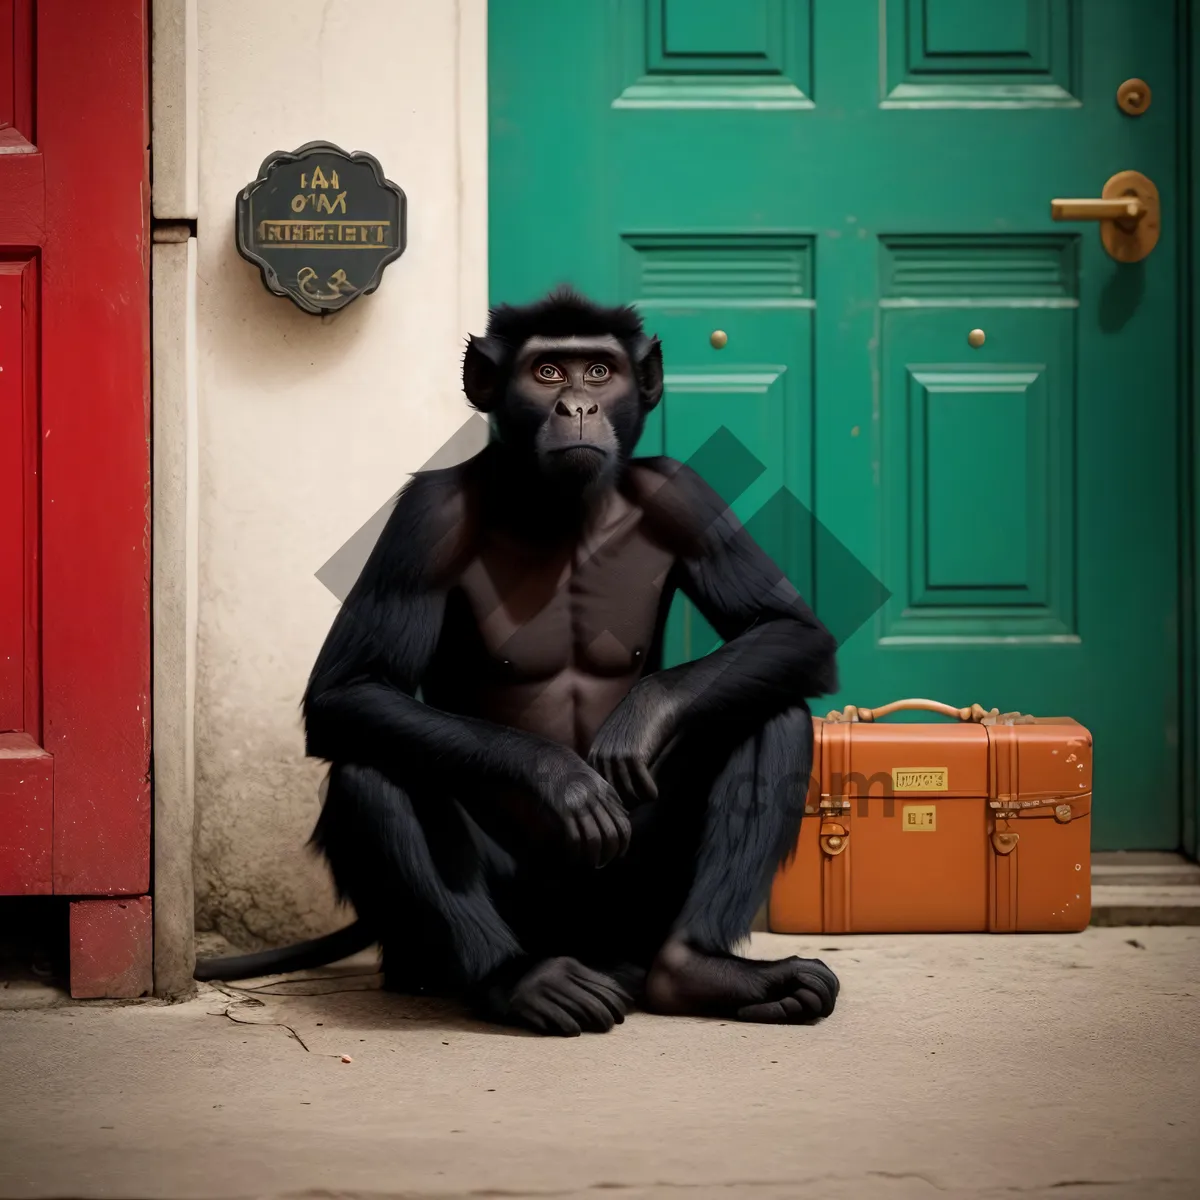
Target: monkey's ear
x=482 y=371
x=648 y=364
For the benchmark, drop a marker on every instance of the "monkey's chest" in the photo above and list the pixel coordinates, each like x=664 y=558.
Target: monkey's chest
x=592 y=610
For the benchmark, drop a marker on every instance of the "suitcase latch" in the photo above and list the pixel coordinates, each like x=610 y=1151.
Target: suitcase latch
x=828 y=805
x=1004 y=842
x=1009 y=808
x=834 y=838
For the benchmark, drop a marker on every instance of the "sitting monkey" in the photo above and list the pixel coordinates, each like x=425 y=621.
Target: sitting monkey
x=558 y=828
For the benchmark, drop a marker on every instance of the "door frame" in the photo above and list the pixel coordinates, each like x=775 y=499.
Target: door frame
x=1189 y=425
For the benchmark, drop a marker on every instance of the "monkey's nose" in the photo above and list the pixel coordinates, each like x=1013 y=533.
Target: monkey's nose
x=562 y=410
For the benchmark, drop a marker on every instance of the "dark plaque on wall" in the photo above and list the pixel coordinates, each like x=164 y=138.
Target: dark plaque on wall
x=321 y=225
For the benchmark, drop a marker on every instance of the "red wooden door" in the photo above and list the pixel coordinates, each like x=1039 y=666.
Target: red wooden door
x=75 y=474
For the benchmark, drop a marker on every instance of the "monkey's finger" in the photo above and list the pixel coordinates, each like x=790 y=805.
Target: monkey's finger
x=587 y=1010
x=814 y=1005
x=622 y=827
x=610 y=838
x=572 y=833
x=610 y=771
x=637 y=786
x=794 y=1007
x=815 y=992
x=557 y=1018
x=533 y=1020
x=584 y=974
x=818 y=968
x=787 y=1011
x=624 y=833
x=610 y=797
x=619 y=814
x=607 y=990
x=590 y=840
x=622 y=784
x=643 y=782
x=603 y=766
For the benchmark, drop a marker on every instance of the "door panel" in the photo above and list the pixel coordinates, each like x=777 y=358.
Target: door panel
x=1018 y=499
x=947 y=52
x=20 y=657
x=741 y=412
x=723 y=53
x=74 y=448
x=12 y=503
x=978 y=462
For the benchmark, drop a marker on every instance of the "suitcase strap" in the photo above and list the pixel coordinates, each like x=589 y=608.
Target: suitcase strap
x=1004 y=785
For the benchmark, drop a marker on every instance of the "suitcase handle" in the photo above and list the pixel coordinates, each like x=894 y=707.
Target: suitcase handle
x=975 y=713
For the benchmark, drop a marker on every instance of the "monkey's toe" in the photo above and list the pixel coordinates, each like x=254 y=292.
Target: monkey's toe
x=564 y=998
x=799 y=991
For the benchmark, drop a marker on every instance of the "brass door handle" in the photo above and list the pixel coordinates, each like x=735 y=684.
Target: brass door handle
x=1128 y=212
x=1097 y=210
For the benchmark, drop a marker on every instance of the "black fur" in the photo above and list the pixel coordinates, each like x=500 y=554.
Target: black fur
x=563 y=313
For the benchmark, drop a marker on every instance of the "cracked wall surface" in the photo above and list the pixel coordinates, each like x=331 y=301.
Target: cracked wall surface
x=307 y=425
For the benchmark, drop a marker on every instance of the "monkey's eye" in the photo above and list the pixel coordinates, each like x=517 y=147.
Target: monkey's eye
x=597 y=371
x=549 y=373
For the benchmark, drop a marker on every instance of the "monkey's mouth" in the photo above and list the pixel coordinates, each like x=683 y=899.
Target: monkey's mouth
x=577 y=447
x=582 y=463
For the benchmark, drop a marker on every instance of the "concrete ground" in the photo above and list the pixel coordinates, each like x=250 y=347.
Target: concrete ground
x=963 y=1066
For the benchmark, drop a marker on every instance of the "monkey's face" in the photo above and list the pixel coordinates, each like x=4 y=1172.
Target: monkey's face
x=576 y=401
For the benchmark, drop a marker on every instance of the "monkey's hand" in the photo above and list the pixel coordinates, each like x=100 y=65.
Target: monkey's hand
x=627 y=745
x=584 y=805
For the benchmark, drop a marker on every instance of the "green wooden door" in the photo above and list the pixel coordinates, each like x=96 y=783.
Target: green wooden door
x=847 y=190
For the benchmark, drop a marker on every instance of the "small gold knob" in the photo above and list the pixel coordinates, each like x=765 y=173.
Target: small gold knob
x=719 y=339
x=1133 y=97
x=976 y=338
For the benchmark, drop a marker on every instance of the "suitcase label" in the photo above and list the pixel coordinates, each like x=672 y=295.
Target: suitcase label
x=919 y=818
x=920 y=779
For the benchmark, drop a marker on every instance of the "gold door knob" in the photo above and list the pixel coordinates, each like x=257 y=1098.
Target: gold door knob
x=1127 y=210
x=719 y=339
x=1133 y=97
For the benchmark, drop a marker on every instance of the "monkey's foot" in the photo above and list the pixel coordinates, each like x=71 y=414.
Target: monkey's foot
x=560 y=997
x=686 y=982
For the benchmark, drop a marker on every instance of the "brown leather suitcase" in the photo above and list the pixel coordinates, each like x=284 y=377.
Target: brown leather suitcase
x=982 y=825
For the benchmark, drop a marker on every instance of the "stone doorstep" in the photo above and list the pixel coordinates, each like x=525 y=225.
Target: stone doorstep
x=1145 y=906
x=1144 y=888
x=1185 y=875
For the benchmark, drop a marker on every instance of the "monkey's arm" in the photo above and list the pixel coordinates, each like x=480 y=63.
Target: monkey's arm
x=360 y=704
x=776 y=652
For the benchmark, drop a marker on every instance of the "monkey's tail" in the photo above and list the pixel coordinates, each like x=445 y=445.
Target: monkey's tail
x=300 y=957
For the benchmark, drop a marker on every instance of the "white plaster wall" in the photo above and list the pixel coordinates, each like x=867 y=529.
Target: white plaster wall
x=307 y=425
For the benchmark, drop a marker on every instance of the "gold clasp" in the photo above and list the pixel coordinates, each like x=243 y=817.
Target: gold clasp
x=834 y=838
x=1004 y=842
